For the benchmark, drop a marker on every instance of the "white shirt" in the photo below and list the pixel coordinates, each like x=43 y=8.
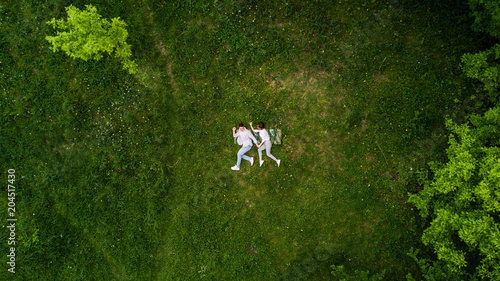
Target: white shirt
x=264 y=135
x=245 y=138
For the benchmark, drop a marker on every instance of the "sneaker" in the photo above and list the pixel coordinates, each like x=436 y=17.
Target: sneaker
x=261 y=161
x=251 y=161
x=279 y=161
x=235 y=168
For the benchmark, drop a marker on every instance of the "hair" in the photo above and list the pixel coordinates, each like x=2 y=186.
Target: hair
x=261 y=125
x=241 y=125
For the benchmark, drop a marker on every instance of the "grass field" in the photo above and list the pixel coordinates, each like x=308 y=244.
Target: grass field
x=127 y=177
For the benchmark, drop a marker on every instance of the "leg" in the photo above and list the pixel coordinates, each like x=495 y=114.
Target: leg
x=268 y=150
x=241 y=154
x=261 y=149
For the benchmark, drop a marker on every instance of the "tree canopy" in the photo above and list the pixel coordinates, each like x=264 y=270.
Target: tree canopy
x=486 y=16
x=484 y=65
x=463 y=199
x=87 y=36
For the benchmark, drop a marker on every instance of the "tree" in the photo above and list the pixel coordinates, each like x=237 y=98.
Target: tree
x=462 y=200
x=484 y=65
x=486 y=15
x=87 y=36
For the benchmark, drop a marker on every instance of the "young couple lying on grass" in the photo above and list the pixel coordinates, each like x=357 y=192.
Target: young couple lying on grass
x=245 y=138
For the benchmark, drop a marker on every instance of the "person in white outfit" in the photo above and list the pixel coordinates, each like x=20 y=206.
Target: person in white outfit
x=265 y=144
x=244 y=138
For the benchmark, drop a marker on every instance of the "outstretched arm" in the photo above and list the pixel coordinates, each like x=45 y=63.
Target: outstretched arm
x=234 y=134
x=251 y=127
x=254 y=137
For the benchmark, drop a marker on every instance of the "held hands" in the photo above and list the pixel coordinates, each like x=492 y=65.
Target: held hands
x=234 y=129
x=250 y=123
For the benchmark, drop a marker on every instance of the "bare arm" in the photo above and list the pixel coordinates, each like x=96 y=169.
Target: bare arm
x=251 y=127
x=234 y=134
x=258 y=145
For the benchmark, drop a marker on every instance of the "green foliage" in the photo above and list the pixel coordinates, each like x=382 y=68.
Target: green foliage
x=463 y=199
x=433 y=270
x=484 y=66
x=87 y=36
x=486 y=16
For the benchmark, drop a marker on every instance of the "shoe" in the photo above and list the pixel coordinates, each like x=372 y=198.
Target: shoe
x=279 y=161
x=235 y=168
x=261 y=161
x=251 y=161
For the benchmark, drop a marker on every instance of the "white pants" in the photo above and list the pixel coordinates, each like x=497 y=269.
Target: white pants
x=267 y=146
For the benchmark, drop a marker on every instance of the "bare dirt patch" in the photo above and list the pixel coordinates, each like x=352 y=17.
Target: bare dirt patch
x=379 y=78
x=364 y=125
x=171 y=76
x=164 y=53
x=248 y=203
x=370 y=157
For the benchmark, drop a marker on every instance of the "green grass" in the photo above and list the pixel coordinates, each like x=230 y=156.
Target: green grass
x=125 y=177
